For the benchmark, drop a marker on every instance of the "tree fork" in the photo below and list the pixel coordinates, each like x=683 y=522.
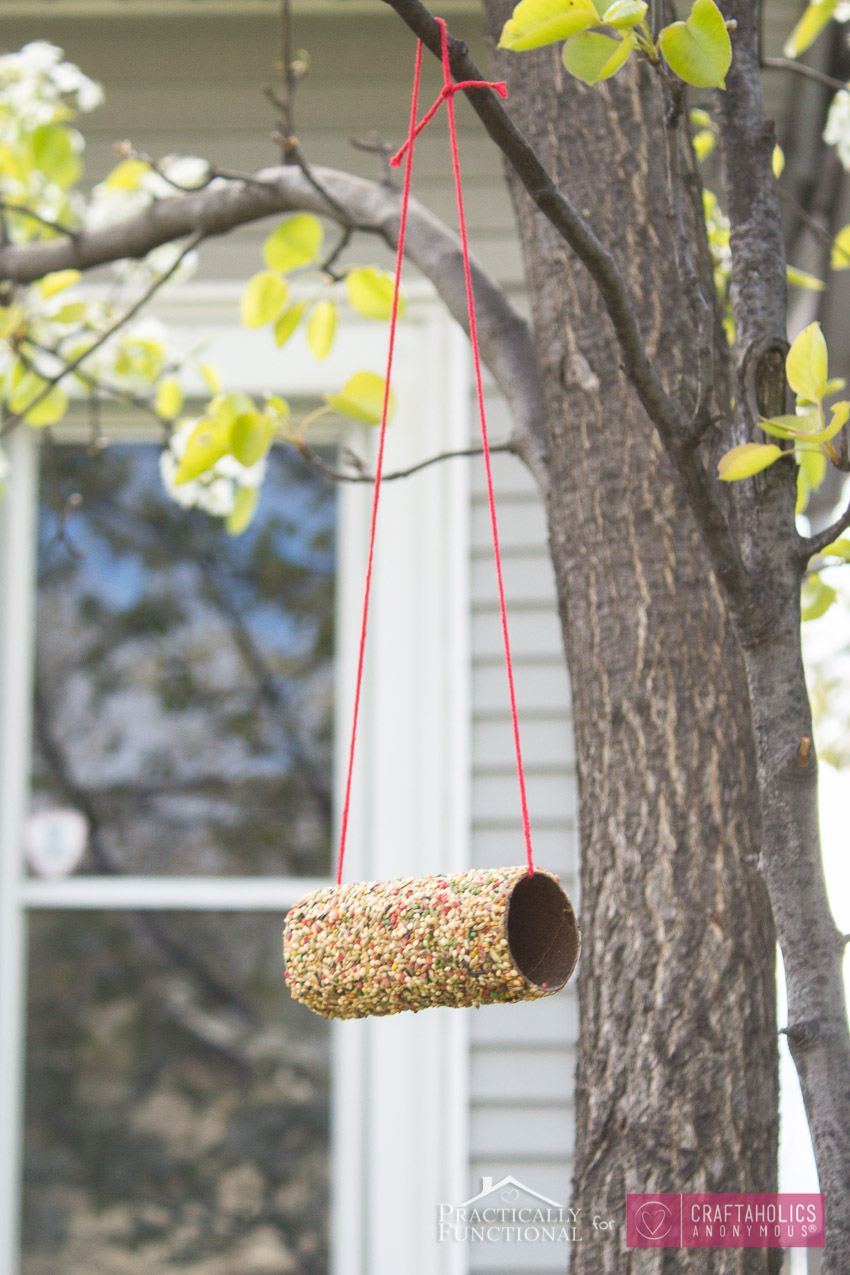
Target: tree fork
x=677 y=1069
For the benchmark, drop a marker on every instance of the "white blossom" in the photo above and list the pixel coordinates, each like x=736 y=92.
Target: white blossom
x=214 y=492
x=837 y=131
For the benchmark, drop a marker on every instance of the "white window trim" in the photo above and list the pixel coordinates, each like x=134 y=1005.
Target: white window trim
x=400 y=1085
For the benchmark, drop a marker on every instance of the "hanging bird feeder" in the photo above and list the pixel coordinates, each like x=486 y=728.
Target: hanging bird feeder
x=475 y=938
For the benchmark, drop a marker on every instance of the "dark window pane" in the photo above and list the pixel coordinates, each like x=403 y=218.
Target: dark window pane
x=184 y=676
x=176 y=1102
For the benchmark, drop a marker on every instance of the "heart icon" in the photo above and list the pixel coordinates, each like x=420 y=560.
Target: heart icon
x=510 y=1195
x=653 y=1220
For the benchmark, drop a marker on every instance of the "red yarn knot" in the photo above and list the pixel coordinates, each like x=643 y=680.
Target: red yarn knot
x=447 y=91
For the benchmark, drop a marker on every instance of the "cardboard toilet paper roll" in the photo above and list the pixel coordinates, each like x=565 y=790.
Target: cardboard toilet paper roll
x=475 y=938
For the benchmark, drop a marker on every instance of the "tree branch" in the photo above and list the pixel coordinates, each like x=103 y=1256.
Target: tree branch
x=507 y=346
x=669 y=418
x=363 y=476
x=816 y=544
x=808 y=72
x=21 y=210
x=566 y=219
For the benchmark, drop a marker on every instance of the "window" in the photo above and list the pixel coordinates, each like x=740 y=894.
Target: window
x=179 y=1106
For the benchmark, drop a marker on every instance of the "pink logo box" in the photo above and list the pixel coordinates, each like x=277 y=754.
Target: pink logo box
x=746 y=1220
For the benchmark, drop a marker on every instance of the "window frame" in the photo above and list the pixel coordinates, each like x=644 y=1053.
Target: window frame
x=399 y=1087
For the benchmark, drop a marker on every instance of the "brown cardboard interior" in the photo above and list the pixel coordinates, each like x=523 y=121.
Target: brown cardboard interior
x=543 y=934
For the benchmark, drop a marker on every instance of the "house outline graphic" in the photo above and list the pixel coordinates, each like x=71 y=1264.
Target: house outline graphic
x=488 y=1187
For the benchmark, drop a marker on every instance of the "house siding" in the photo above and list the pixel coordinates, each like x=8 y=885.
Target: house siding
x=522 y=1057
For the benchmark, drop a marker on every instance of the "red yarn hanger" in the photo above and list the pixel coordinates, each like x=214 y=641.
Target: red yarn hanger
x=446 y=95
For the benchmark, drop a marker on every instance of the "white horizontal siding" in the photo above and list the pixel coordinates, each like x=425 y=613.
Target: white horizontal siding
x=523 y=1056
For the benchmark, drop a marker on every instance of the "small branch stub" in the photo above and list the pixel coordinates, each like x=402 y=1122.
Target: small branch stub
x=476 y=938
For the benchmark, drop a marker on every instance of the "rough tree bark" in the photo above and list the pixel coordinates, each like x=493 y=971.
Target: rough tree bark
x=677 y=1084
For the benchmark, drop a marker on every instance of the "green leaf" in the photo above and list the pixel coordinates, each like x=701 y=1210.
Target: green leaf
x=809 y=27
x=70 y=313
x=535 y=23
x=840 y=256
x=321 y=327
x=211 y=376
x=817 y=598
x=699 y=49
x=812 y=467
x=48 y=410
x=250 y=437
x=128 y=175
x=785 y=426
x=746 y=460
x=45 y=411
x=207 y=443
x=10 y=318
x=370 y=291
x=833 y=385
x=53 y=283
x=624 y=13
x=54 y=154
x=224 y=408
x=288 y=322
x=777 y=161
x=802 y=279
x=704 y=143
x=263 y=298
x=295 y=242
x=279 y=406
x=362 y=398
x=838 y=549
x=592 y=57
x=168 y=399
x=806 y=364
x=803 y=493
x=840 y=413
x=244 y=508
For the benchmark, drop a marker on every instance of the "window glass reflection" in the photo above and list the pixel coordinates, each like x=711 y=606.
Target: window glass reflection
x=184 y=676
x=176 y=1103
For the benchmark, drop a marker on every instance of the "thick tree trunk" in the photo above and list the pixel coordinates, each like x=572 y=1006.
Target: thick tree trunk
x=677 y=1084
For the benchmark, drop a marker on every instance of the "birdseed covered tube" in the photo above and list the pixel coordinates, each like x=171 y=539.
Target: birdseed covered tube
x=475 y=938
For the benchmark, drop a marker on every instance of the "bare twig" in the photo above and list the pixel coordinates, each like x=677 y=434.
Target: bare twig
x=363 y=475
x=334 y=205
x=287 y=73
x=22 y=210
x=816 y=544
x=817 y=228
x=333 y=257
x=377 y=146
x=105 y=387
x=809 y=72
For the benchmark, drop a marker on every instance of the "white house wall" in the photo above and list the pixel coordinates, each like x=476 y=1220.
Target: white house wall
x=522 y=1056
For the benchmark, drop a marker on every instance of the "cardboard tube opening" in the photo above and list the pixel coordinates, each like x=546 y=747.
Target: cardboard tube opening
x=543 y=934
